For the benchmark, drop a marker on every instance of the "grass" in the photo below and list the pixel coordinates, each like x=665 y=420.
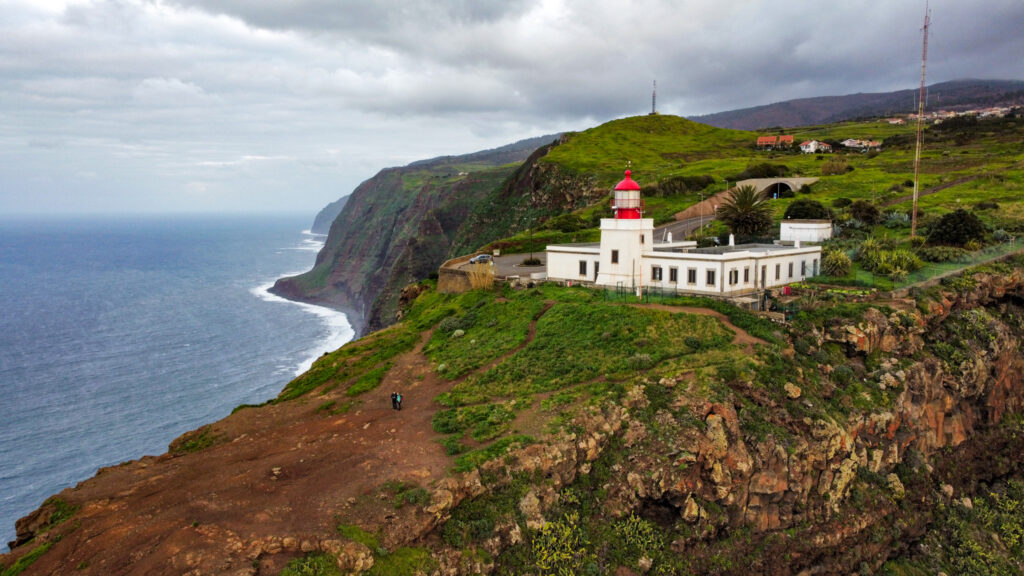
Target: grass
x=575 y=343
x=312 y=565
x=363 y=363
x=27 y=560
x=195 y=441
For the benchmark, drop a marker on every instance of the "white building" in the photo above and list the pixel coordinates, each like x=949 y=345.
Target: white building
x=629 y=257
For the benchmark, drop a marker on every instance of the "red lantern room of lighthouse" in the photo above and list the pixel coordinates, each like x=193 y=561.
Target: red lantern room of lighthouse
x=627 y=203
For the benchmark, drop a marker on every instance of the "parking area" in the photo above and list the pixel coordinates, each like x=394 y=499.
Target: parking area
x=512 y=264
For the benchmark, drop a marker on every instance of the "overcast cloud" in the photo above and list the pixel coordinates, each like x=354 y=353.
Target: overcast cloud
x=286 y=105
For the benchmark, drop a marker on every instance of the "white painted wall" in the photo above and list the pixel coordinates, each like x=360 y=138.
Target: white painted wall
x=806 y=230
x=629 y=237
x=563 y=262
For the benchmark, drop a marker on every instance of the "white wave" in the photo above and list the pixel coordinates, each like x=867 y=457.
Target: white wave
x=338 y=330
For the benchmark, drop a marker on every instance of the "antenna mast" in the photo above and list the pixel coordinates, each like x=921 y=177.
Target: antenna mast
x=654 y=97
x=920 y=122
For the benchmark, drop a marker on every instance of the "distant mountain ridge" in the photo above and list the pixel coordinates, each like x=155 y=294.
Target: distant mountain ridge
x=952 y=95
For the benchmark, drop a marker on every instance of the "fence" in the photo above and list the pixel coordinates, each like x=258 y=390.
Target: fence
x=932 y=271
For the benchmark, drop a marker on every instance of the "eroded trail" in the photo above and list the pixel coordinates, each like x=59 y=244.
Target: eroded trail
x=276 y=484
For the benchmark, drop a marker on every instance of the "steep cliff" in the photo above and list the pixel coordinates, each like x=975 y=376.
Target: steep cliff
x=324 y=218
x=552 y=431
x=400 y=225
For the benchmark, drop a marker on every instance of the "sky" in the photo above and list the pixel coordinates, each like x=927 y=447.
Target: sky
x=169 y=106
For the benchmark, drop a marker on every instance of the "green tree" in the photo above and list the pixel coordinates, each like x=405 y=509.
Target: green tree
x=956 y=229
x=807 y=209
x=746 y=212
x=865 y=211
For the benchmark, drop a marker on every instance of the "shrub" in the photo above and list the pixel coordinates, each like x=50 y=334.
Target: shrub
x=986 y=205
x=762 y=170
x=836 y=263
x=807 y=209
x=1001 y=235
x=956 y=229
x=835 y=166
x=865 y=212
x=840 y=203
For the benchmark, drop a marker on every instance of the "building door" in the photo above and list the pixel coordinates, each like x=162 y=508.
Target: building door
x=764 y=276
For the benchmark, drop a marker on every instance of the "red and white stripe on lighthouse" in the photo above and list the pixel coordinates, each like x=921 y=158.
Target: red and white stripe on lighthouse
x=627 y=203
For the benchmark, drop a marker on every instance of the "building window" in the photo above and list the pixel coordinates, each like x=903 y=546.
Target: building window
x=790 y=269
x=583 y=267
x=656 y=273
x=711 y=278
x=803 y=267
x=673 y=275
x=778 y=273
x=691 y=275
x=615 y=256
x=734 y=276
x=596 y=265
x=641 y=238
x=814 y=272
x=746 y=275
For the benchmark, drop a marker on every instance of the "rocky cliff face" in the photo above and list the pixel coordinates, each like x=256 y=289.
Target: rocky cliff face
x=324 y=218
x=814 y=494
x=400 y=225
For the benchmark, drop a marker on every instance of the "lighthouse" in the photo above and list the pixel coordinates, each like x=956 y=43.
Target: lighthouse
x=624 y=237
x=627 y=203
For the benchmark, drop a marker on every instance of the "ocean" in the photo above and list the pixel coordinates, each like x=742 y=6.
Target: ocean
x=118 y=334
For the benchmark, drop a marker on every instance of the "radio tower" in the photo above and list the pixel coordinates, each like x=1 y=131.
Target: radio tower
x=920 y=122
x=654 y=97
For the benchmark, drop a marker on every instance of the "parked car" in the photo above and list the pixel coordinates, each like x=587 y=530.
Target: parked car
x=481 y=259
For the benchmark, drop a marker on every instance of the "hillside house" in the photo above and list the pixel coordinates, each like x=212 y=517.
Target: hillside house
x=766 y=142
x=814 y=147
x=630 y=257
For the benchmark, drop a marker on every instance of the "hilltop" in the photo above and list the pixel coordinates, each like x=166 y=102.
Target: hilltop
x=954 y=95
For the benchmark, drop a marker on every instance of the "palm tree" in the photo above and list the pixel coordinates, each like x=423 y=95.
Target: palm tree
x=746 y=212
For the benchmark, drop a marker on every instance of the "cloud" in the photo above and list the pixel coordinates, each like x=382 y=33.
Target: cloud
x=290 y=104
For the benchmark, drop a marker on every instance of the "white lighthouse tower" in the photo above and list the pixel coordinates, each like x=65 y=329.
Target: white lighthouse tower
x=625 y=238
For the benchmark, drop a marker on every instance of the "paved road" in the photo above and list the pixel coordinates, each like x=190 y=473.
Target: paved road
x=680 y=229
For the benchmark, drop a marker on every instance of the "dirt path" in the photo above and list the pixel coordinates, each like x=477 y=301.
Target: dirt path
x=932 y=190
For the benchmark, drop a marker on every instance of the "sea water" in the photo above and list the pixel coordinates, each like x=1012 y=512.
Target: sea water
x=118 y=334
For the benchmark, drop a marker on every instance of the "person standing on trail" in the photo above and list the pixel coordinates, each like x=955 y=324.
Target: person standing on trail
x=398 y=399
x=394 y=400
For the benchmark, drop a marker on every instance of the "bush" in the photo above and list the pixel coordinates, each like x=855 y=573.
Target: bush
x=865 y=211
x=787 y=193
x=835 y=166
x=762 y=170
x=840 y=203
x=941 y=253
x=896 y=220
x=956 y=229
x=836 y=263
x=806 y=209
x=986 y=205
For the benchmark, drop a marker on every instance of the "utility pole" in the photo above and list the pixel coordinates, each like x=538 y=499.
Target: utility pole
x=920 y=122
x=654 y=97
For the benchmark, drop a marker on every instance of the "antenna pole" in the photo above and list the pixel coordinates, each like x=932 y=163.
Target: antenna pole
x=920 y=122
x=654 y=97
